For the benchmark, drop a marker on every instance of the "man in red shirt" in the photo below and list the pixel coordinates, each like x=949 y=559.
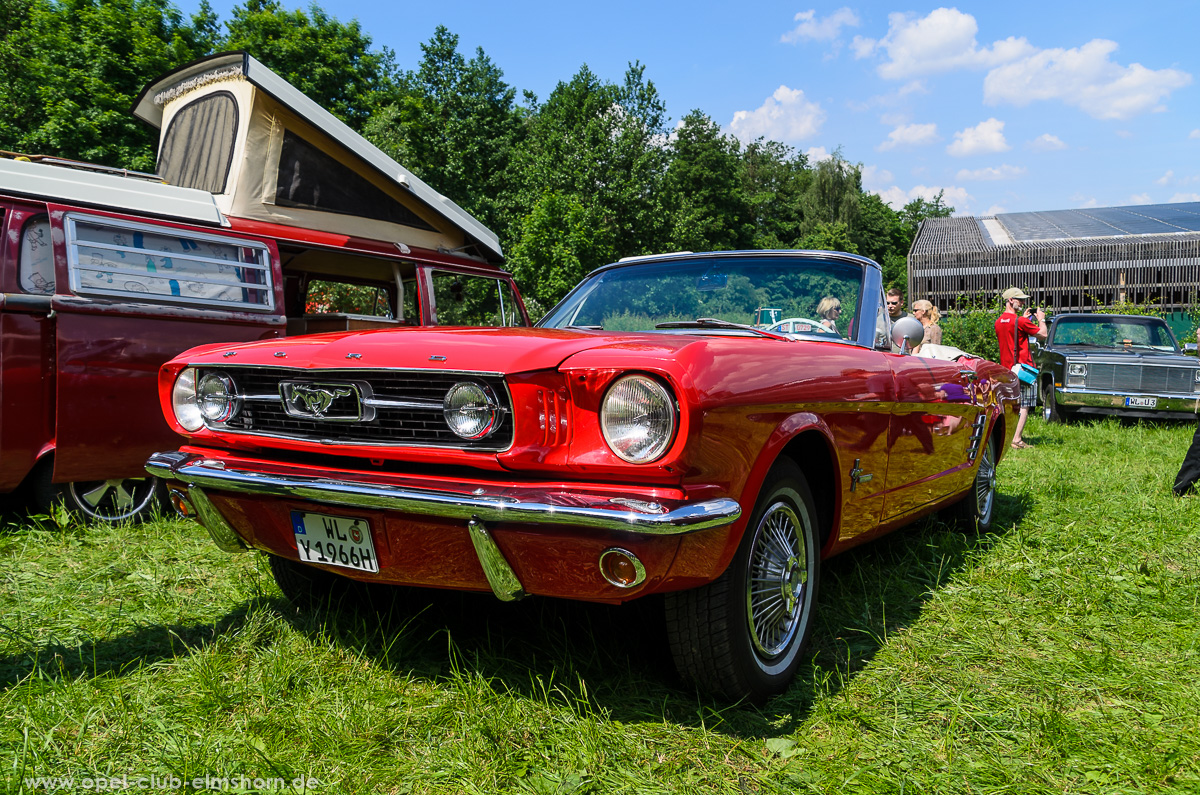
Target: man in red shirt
x=1014 y=327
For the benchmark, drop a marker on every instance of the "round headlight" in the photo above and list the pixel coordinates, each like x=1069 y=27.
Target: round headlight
x=471 y=410
x=183 y=400
x=217 y=396
x=638 y=418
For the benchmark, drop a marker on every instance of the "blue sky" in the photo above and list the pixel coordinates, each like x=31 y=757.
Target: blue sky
x=1007 y=107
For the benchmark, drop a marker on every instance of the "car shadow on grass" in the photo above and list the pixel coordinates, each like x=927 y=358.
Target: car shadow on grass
x=116 y=656
x=615 y=661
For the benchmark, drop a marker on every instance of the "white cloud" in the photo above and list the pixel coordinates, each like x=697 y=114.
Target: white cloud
x=910 y=135
x=942 y=41
x=1126 y=134
x=1140 y=198
x=1085 y=77
x=995 y=209
x=1082 y=202
x=990 y=174
x=1047 y=143
x=823 y=29
x=985 y=137
x=875 y=178
x=1194 y=134
x=862 y=47
x=784 y=116
x=1185 y=197
x=816 y=154
x=956 y=197
x=1165 y=179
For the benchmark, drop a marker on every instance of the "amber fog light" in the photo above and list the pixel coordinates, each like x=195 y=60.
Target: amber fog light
x=184 y=401
x=621 y=568
x=179 y=502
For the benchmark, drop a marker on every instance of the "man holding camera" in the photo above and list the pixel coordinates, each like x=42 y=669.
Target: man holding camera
x=1014 y=327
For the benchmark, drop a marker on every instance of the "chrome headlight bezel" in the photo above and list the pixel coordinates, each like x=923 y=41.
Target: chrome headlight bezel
x=184 y=401
x=471 y=410
x=217 y=397
x=638 y=418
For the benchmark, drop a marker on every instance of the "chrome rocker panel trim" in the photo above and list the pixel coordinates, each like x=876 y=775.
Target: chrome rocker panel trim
x=195 y=470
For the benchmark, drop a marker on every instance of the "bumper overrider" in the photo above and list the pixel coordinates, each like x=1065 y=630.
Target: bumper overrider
x=563 y=516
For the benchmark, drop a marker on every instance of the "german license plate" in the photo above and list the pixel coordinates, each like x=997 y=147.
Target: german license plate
x=334 y=540
x=1141 y=402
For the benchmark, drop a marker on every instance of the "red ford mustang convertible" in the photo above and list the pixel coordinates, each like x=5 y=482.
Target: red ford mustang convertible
x=643 y=438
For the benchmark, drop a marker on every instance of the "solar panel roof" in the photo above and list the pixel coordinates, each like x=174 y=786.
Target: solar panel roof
x=1138 y=219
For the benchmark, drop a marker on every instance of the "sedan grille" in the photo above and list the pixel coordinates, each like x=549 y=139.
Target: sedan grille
x=377 y=407
x=1140 y=378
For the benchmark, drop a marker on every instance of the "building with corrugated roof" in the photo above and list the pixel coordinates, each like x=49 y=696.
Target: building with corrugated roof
x=1067 y=260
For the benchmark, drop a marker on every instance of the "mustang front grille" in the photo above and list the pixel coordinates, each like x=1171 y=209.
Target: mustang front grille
x=1140 y=378
x=386 y=407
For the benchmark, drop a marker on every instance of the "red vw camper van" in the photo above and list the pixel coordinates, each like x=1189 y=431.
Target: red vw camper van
x=268 y=217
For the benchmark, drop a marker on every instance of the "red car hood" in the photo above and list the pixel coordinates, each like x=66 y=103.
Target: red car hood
x=498 y=350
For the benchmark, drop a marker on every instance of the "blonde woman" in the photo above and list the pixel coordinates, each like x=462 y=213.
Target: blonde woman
x=829 y=309
x=929 y=316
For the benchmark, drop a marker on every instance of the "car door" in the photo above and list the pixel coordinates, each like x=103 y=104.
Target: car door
x=26 y=339
x=935 y=428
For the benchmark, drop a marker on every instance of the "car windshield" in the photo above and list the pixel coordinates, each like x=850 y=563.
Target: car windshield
x=1115 y=332
x=816 y=296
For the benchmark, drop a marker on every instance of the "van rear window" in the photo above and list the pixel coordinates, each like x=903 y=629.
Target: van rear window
x=160 y=264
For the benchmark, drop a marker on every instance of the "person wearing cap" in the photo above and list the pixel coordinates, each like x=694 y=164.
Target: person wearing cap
x=1014 y=327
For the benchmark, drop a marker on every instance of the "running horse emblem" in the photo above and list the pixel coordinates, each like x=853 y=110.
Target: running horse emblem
x=314 y=401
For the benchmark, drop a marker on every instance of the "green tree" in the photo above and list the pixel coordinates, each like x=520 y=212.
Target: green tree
x=330 y=61
x=70 y=69
x=599 y=149
x=830 y=237
x=834 y=193
x=455 y=125
x=775 y=179
x=546 y=259
x=704 y=180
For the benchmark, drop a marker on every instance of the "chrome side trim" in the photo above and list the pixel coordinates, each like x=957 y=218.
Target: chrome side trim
x=222 y=533
x=197 y=471
x=504 y=581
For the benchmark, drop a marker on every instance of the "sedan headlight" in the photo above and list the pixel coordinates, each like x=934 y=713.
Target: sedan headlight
x=471 y=410
x=184 y=401
x=217 y=397
x=637 y=418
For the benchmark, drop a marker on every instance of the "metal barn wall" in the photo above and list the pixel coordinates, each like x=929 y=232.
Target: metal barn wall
x=953 y=264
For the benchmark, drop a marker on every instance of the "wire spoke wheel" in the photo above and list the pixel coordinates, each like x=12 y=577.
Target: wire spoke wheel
x=778 y=577
x=985 y=484
x=743 y=634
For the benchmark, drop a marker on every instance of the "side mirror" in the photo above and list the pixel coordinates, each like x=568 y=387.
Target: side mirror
x=1189 y=348
x=907 y=332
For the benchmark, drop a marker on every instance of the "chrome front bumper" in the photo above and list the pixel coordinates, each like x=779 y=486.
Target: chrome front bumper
x=629 y=515
x=1115 y=401
x=477 y=509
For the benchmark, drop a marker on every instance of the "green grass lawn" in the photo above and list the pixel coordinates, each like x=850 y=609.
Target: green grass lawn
x=1058 y=653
